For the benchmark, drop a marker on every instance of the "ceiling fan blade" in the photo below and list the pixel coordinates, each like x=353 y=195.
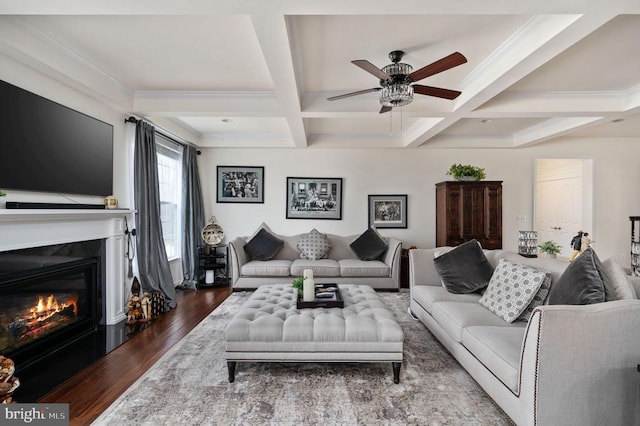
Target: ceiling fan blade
x=370 y=68
x=348 y=95
x=438 y=92
x=443 y=64
x=385 y=109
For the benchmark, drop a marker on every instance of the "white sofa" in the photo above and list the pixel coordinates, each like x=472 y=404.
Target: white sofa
x=341 y=266
x=569 y=365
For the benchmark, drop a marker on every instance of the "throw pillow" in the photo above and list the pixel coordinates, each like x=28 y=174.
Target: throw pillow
x=538 y=299
x=263 y=246
x=464 y=269
x=369 y=245
x=622 y=288
x=511 y=289
x=583 y=282
x=313 y=245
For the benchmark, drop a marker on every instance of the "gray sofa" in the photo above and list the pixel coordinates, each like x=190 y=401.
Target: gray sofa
x=568 y=365
x=341 y=266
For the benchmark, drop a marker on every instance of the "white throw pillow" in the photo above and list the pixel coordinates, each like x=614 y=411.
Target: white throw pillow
x=511 y=289
x=313 y=245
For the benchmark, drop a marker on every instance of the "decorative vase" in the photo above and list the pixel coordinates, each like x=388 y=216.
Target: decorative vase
x=309 y=290
x=467 y=178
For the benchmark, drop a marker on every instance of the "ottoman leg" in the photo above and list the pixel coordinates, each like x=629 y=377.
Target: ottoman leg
x=231 y=366
x=396 y=371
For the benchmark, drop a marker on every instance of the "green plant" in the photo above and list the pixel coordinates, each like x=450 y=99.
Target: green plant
x=549 y=247
x=297 y=283
x=2 y=193
x=466 y=170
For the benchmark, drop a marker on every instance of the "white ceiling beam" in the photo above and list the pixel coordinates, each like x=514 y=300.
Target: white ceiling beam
x=539 y=40
x=230 y=141
x=550 y=104
x=273 y=36
x=208 y=104
x=551 y=128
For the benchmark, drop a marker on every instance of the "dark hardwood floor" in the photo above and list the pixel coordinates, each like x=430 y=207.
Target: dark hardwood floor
x=92 y=391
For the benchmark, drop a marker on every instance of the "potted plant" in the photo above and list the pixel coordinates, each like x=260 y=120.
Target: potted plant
x=2 y=193
x=298 y=283
x=550 y=248
x=466 y=172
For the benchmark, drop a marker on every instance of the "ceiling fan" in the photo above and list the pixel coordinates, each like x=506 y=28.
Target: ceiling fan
x=397 y=78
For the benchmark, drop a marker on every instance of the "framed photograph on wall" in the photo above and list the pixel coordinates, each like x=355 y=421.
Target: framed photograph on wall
x=314 y=198
x=240 y=184
x=388 y=211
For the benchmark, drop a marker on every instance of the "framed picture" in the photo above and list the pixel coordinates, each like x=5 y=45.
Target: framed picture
x=240 y=184
x=314 y=198
x=388 y=211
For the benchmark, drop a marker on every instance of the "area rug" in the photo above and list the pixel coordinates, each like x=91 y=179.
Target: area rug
x=189 y=385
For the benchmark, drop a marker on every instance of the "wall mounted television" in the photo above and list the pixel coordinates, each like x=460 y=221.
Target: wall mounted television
x=48 y=147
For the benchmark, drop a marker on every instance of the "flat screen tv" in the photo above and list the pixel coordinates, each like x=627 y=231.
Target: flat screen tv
x=47 y=147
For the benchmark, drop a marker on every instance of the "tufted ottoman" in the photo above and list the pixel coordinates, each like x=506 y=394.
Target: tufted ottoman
x=270 y=328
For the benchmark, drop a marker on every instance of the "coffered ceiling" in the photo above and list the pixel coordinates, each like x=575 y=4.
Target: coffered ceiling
x=258 y=74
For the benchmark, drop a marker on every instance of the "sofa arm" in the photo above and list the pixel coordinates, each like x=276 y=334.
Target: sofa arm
x=392 y=259
x=238 y=257
x=422 y=271
x=580 y=364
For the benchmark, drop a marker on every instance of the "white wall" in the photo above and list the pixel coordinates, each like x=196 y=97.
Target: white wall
x=415 y=172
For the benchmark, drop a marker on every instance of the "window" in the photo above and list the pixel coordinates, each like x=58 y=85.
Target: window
x=170 y=182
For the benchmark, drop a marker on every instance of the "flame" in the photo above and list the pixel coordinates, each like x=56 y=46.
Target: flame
x=49 y=306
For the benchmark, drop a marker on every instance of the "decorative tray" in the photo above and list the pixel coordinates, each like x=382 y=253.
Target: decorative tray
x=327 y=296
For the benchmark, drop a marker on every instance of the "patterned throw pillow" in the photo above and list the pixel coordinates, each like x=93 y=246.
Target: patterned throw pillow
x=314 y=245
x=538 y=299
x=511 y=289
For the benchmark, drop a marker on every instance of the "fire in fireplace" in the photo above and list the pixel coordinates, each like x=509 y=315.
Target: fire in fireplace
x=48 y=298
x=43 y=317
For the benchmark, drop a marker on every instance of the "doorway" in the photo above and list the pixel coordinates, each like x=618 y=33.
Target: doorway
x=563 y=200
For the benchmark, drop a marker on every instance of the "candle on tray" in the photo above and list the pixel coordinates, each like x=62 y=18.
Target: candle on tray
x=309 y=290
x=307 y=273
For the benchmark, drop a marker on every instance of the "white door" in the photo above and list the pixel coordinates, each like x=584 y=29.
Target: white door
x=563 y=201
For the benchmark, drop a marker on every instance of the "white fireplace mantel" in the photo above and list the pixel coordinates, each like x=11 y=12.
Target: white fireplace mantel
x=20 y=229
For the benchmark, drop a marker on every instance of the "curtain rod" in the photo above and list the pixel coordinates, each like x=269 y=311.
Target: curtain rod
x=132 y=119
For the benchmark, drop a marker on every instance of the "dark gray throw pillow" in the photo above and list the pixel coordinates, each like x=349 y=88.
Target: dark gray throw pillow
x=583 y=282
x=369 y=245
x=263 y=246
x=464 y=269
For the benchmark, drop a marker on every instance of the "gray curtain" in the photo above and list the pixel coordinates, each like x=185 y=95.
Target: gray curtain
x=193 y=217
x=153 y=265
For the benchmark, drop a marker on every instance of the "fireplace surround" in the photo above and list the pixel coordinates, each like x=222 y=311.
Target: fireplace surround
x=30 y=230
x=25 y=229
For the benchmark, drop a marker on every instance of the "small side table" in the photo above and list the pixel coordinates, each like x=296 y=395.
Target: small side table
x=213 y=265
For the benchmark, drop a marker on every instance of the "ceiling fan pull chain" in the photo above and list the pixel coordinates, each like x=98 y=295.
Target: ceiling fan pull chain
x=391 y=123
x=401 y=129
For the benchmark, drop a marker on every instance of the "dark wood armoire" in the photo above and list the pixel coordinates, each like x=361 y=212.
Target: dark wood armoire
x=468 y=210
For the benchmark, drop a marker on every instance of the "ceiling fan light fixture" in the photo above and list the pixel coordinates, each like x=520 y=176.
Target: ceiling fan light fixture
x=396 y=91
x=398 y=69
x=394 y=95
